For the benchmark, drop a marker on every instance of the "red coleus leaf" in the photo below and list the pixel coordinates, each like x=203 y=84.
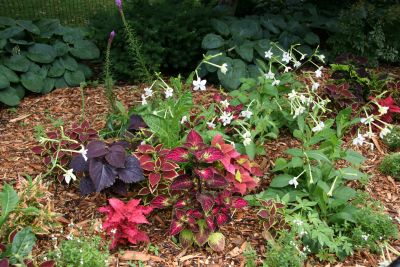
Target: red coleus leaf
x=148 y=166
x=263 y=214
x=146 y=149
x=160 y=202
x=222 y=218
x=180 y=203
x=217 y=181
x=154 y=179
x=182 y=182
x=175 y=228
x=206 y=201
x=393 y=108
x=209 y=155
x=238 y=203
x=205 y=174
x=38 y=150
x=211 y=222
x=194 y=141
x=168 y=166
x=170 y=175
x=179 y=154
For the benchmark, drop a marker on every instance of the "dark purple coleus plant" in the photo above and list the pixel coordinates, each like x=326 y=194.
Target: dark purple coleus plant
x=202 y=198
x=107 y=166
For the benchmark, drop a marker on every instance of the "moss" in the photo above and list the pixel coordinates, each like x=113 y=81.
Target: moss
x=390 y=165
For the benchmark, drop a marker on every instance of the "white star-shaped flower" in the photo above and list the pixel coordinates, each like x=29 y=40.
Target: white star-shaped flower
x=169 y=92
x=270 y=75
x=246 y=114
x=286 y=57
x=319 y=127
x=359 y=140
x=83 y=152
x=318 y=72
x=199 y=84
x=276 y=82
x=315 y=86
x=224 y=68
x=268 y=54
x=226 y=118
x=294 y=181
x=224 y=103
x=69 y=175
x=148 y=91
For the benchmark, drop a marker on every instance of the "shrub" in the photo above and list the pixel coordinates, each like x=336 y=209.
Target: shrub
x=40 y=56
x=392 y=139
x=86 y=251
x=168 y=45
x=390 y=165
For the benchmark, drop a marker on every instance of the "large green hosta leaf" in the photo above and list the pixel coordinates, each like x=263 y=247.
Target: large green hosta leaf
x=10 y=32
x=212 y=41
x=4 y=82
x=48 y=27
x=74 y=78
x=42 y=53
x=33 y=81
x=56 y=69
x=18 y=63
x=69 y=63
x=29 y=26
x=236 y=70
x=60 y=83
x=61 y=48
x=11 y=75
x=48 y=85
x=84 y=49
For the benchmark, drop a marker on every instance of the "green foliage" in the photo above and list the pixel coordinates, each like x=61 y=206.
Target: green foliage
x=250 y=256
x=392 y=139
x=368 y=29
x=284 y=252
x=244 y=41
x=390 y=165
x=81 y=251
x=9 y=201
x=20 y=247
x=170 y=37
x=40 y=56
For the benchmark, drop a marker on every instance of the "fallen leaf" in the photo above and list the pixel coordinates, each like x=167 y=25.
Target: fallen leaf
x=138 y=256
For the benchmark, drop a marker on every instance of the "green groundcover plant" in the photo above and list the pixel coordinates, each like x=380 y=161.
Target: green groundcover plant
x=390 y=165
x=40 y=56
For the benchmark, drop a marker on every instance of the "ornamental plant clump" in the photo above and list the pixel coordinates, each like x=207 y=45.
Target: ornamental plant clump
x=204 y=196
x=106 y=165
x=122 y=221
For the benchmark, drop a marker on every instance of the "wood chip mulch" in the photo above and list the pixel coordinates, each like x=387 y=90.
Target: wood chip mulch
x=17 y=137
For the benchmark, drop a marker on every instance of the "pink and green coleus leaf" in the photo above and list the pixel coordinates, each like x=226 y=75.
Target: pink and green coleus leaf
x=179 y=154
x=186 y=238
x=222 y=218
x=194 y=141
x=216 y=181
x=209 y=155
x=239 y=203
x=176 y=227
x=203 y=233
x=217 y=242
x=211 y=222
x=205 y=174
x=206 y=201
x=160 y=202
x=182 y=182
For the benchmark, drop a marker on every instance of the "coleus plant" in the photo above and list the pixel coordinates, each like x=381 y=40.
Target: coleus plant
x=203 y=197
x=122 y=221
x=106 y=165
x=57 y=147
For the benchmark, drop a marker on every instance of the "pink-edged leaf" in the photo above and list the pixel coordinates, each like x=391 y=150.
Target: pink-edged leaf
x=222 y=218
x=263 y=214
x=160 y=202
x=144 y=191
x=175 y=228
x=170 y=175
x=194 y=140
x=206 y=201
x=217 y=242
x=239 y=203
x=154 y=179
x=145 y=149
x=182 y=182
x=96 y=149
x=206 y=174
x=179 y=154
x=52 y=135
x=211 y=222
x=168 y=166
x=209 y=155
x=148 y=166
x=217 y=181
x=48 y=264
x=180 y=203
x=116 y=156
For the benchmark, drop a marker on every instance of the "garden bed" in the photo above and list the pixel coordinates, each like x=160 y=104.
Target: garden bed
x=17 y=132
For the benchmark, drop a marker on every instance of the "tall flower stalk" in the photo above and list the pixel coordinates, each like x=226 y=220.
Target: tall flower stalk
x=108 y=80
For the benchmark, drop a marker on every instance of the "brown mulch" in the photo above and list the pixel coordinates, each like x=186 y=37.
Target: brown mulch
x=17 y=137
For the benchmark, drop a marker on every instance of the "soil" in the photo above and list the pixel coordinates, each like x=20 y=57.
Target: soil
x=17 y=137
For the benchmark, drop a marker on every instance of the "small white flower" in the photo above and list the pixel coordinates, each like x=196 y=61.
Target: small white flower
x=367 y=120
x=298 y=222
x=369 y=134
x=365 y=237
x=81 y=262
x=298 y=111
x=294 y=181
x=321 y=57
x=226 y=118
x=113 y=231
x=246 y=114
x=83 y=152
x=319 y=127
x=292 y=95
x=169 y=92
x=303 y=56
x=224 y=68
x=247 y=134
x=383 y=110
x=69 y=175
x=224 y=103
x=199 y=84
x=268 y=54
x=315 y=86
x=184 y=119
x=211 y=125
x=148 y=91
x=306 y=249
x=287 y=68
x=144 y=100
x=276 y=82
x=318 y=72
x=143 y=142
x=247 y=141
x=303 y=99
x=359 y=140
x=270 y=75
x=70 y=237
x=45 y=258
x=297 y=64
x=286 y=57
x=384 y=132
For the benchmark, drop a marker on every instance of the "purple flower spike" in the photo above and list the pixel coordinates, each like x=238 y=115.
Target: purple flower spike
x=119 y=4
x=111 y=38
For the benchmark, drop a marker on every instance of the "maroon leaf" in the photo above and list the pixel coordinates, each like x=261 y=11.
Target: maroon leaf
x=209 y=155
x=132 y=173
x=217 y=181
x=175 y=228
x=38 y=150
x=222 y=218
x=206 y=201
x=178 y=154
x=148 y=166
x=4 y=263
x=116 y=156
x=168 y=166
x=211 y=222
x=102 y=175
x=119 y=188
x=205 y=173
x=194 y=140
x=182 y=182
x=48 y=264
x=144 y=191
x=180 y=203
x=154 y=179
x=96 y=149
x=239 y=203
x=160 y=202
x=170 y=175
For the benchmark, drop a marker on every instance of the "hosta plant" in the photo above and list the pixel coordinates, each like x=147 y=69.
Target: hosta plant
x=122 y=221
x=40 y=56
x=204 y=196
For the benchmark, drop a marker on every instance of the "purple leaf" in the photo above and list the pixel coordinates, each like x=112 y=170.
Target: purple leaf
x=116 y=156
x=96 y=149
x=132 y=173
x=119 y=188
x=102 y=174
x=135 y=123
x=182 y=182
x=86 y=186
x=79 y=164
x=217 y=181
x=206 y=201
x=4 y=263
